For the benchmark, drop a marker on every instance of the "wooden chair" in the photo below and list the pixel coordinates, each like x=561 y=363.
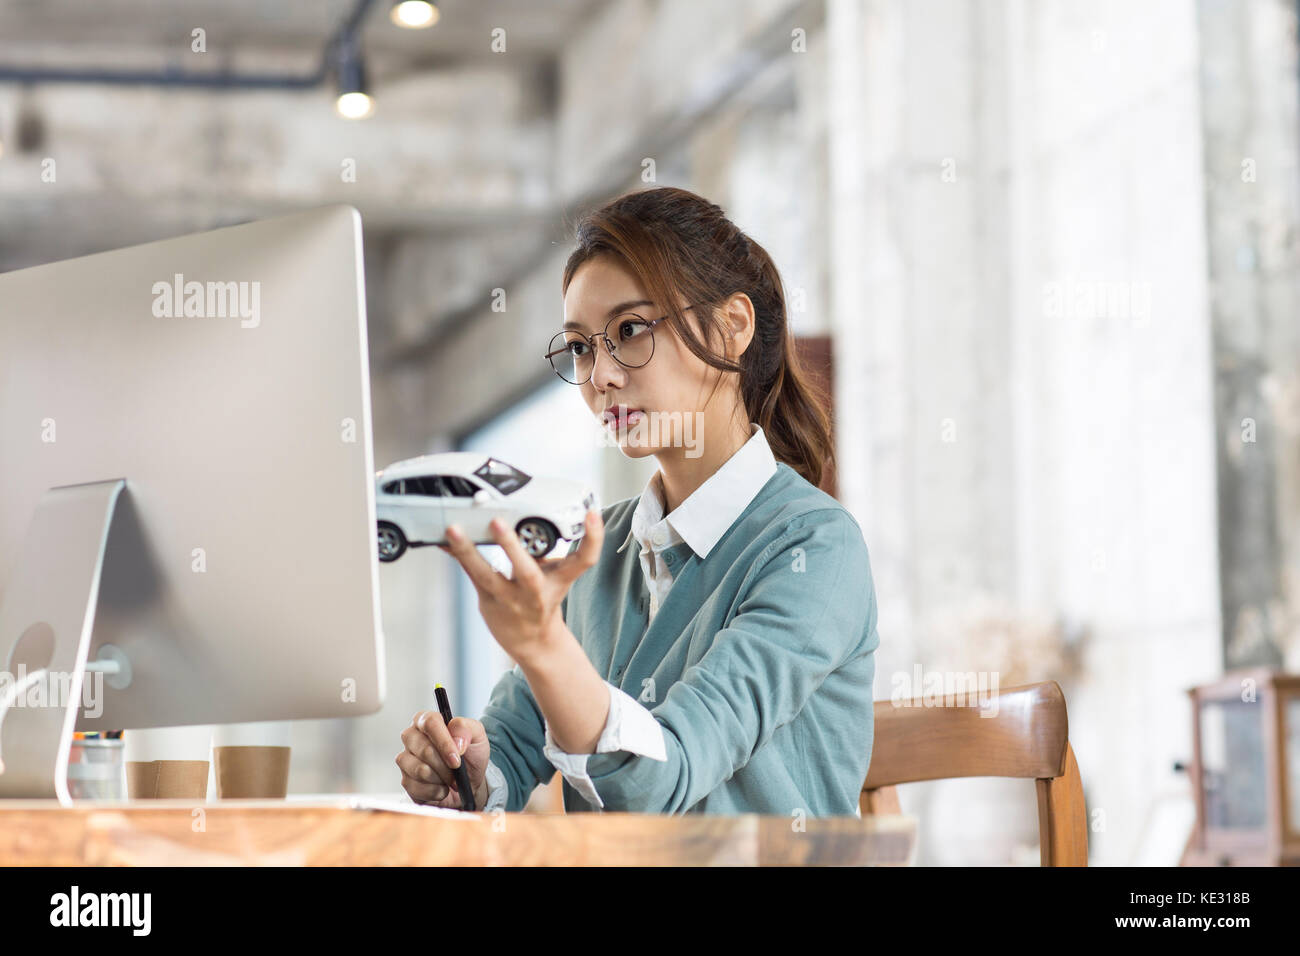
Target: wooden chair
x=1027 y=737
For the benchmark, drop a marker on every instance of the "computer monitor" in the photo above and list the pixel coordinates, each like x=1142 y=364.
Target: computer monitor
x=187 y=512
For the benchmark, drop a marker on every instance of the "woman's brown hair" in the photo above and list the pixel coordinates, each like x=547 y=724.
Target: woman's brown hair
x=680 y=246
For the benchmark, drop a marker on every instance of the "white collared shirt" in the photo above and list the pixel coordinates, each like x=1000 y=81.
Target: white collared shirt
x=700 y=521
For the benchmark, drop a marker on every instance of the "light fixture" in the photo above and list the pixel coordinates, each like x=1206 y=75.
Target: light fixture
x=353 y=102
x=414 y=14
x=354 y=105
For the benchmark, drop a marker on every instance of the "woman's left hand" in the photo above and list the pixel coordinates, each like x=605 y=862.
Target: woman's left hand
x=523 y=611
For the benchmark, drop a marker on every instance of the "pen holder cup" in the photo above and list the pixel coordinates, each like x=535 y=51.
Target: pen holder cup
x=96 y=770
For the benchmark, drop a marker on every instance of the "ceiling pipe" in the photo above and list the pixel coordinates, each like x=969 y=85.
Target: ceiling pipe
x=170 y=76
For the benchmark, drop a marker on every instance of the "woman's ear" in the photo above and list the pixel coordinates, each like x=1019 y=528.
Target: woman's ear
x=738 y=320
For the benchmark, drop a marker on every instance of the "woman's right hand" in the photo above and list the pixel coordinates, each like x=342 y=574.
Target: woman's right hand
x=429 y=758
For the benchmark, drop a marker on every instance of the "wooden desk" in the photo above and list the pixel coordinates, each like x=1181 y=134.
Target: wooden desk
x=324 y=833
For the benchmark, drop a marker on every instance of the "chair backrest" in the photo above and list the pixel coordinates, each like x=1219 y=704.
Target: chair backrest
x=1025 y=734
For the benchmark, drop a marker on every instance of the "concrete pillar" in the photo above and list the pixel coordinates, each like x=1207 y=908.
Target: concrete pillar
x=1249 y=116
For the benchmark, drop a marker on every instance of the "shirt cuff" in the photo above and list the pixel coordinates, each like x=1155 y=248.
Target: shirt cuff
x=498 y=789
x=630 y=727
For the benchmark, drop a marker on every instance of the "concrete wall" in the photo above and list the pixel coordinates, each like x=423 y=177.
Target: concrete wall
x=997 y=187
x=1248 y=72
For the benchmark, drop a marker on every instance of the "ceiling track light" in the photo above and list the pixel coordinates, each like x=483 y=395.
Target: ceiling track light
x=414 y=14
x=354 y=100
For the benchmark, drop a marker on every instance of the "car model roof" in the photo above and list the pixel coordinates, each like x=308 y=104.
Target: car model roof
x=442 y=463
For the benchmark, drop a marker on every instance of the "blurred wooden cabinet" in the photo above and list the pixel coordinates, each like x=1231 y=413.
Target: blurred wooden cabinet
x=1246 y=770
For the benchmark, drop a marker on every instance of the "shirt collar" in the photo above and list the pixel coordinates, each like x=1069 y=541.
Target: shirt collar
x=707 y=513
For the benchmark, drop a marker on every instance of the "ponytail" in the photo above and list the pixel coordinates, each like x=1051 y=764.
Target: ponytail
x=790 y=407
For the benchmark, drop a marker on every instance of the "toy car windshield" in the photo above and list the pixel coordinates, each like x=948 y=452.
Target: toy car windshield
x=504 y=478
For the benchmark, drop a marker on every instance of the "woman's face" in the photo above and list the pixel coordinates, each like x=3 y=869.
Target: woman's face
x=671 y=389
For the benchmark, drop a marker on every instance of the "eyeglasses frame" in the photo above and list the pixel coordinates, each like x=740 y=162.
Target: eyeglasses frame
x=609 y=344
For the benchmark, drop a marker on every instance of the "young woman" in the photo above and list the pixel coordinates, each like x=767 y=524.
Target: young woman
x=724 y=663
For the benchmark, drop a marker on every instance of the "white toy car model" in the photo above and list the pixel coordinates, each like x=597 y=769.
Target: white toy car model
x=416 y=499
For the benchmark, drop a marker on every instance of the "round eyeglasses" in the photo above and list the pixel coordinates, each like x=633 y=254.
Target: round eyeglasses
x=573 y=355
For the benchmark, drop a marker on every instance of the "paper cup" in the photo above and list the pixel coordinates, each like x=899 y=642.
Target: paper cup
x=167 y=763
x=167 y=779
x=251 y=760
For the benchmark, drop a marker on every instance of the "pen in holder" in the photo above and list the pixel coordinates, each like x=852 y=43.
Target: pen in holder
x=96 y=770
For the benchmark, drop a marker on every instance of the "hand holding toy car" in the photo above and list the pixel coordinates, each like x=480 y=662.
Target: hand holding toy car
x=523 y=611
x=523 y=614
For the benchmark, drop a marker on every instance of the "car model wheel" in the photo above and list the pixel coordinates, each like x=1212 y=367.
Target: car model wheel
x=537 y=536
x=392 y=543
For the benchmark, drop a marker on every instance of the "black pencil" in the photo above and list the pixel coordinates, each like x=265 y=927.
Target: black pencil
x=462 y=775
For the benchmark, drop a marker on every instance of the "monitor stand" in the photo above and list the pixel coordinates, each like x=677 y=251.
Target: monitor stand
x=46 y=619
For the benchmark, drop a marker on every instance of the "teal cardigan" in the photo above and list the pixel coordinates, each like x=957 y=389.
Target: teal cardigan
x=762 y=658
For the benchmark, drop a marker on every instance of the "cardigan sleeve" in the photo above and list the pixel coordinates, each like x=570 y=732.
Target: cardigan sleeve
x=516 y=731
x=807 y=606
x=629 y=727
